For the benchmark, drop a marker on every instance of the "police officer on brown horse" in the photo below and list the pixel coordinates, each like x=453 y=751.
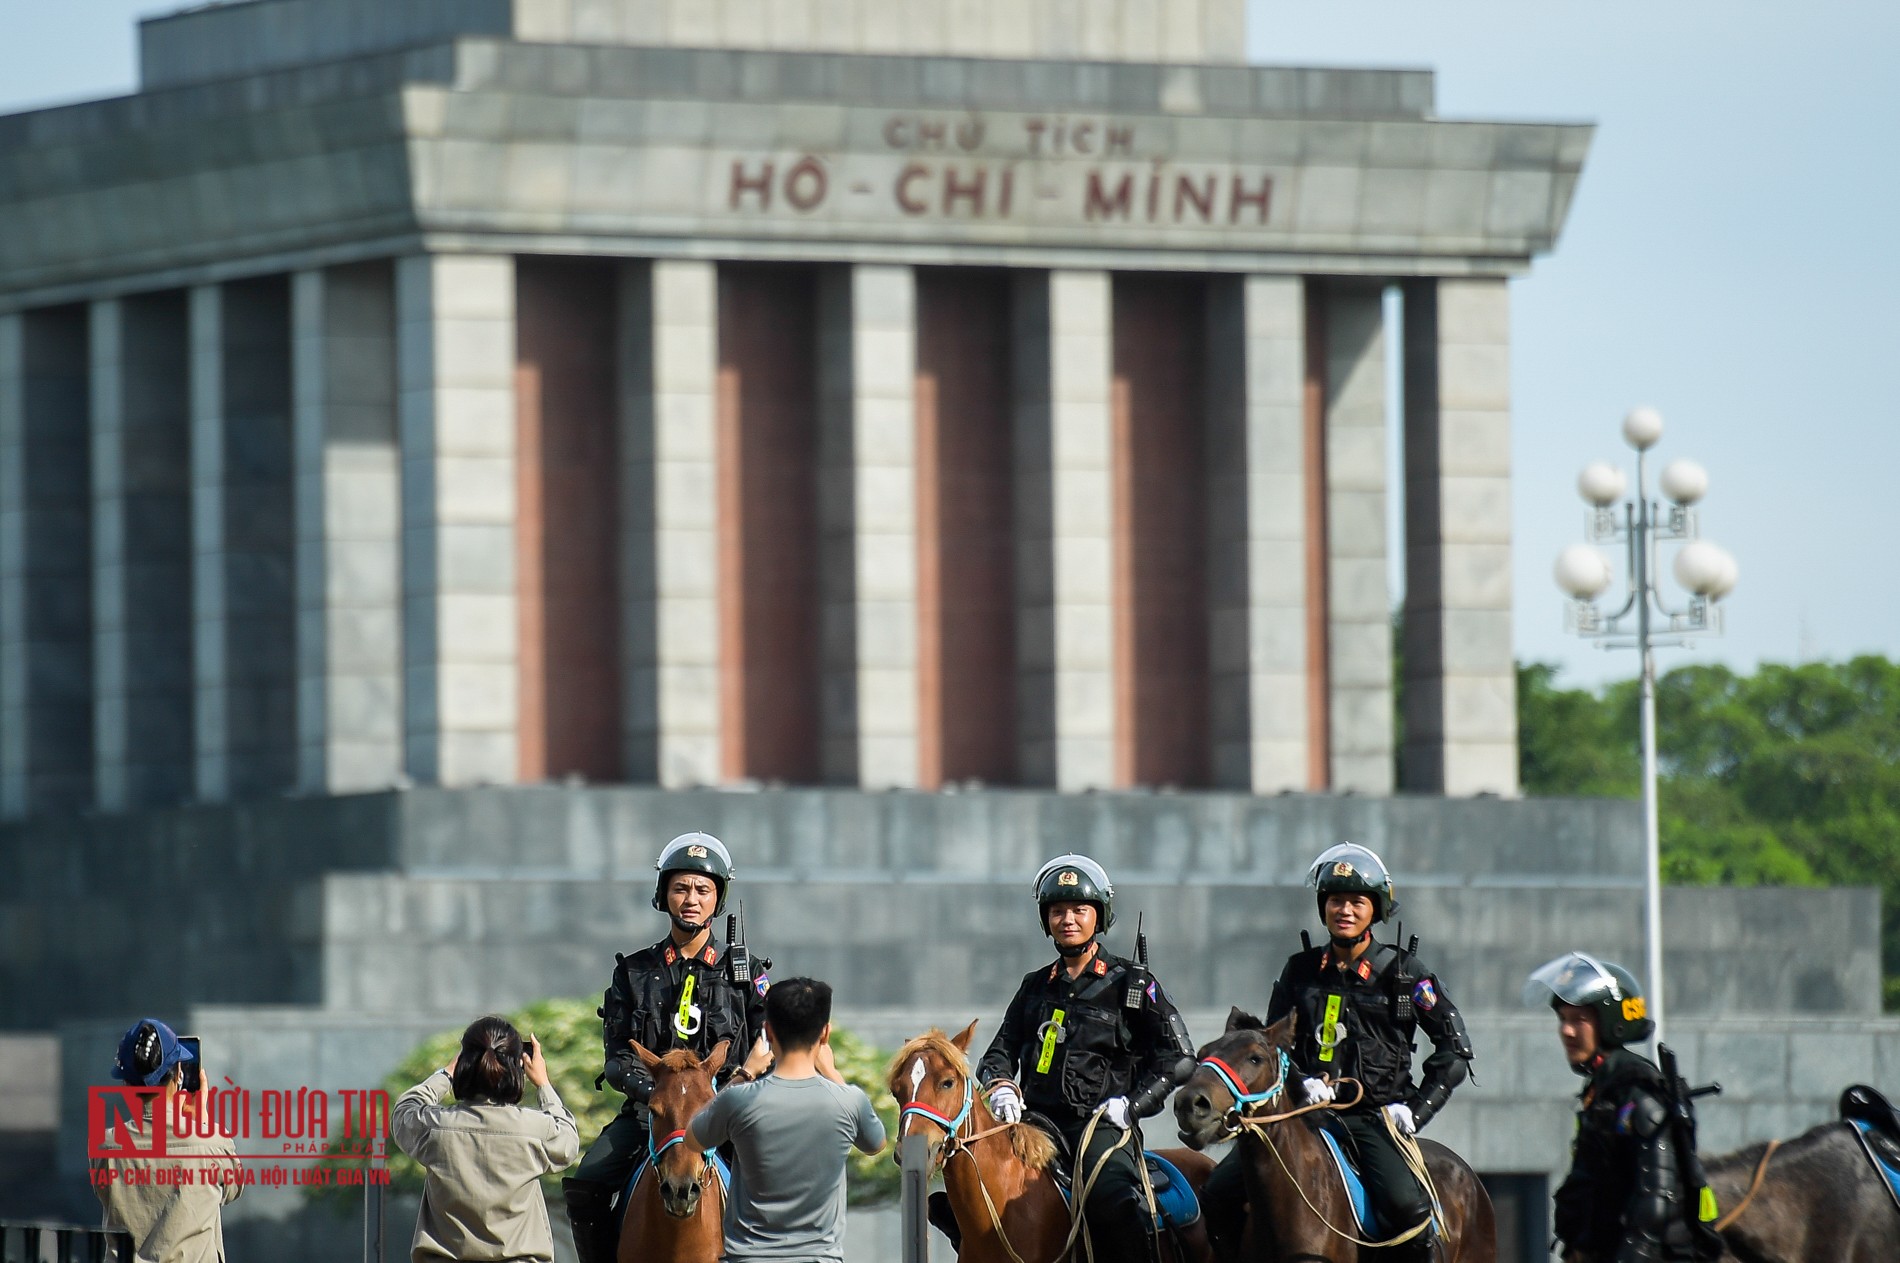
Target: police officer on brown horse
x=1091 y=1034
x=1359 y=1004
x=1626 y=1197
x=686 y=991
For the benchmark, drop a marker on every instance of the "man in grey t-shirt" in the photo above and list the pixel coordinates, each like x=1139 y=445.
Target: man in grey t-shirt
x=789 y=1133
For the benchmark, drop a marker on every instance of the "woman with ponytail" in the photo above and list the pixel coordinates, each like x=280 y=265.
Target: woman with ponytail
x=484 y=1155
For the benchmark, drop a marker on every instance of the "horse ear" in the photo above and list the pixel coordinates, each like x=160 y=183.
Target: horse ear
x=1238 y=1019
x=963 y=1038
x=647 y=1059
x=1280 y=1034
x=717 y=1059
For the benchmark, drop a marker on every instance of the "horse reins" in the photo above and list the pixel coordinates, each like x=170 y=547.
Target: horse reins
x=1761 y=1172
x=1244 y=1119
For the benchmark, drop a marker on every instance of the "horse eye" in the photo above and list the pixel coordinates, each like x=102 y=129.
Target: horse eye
x=1253 y=1059
x=947 y=1084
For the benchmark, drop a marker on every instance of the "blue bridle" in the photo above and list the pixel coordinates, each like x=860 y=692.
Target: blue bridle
x=950 y=1125
x=1244 y=1099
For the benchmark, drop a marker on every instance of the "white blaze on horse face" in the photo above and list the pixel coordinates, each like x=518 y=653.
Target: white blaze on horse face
x=916 y=1076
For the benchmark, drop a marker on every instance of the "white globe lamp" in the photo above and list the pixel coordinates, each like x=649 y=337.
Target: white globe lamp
x=1642 y=428
x=1582 y=571
x=1685 y=482
x=1601 y=484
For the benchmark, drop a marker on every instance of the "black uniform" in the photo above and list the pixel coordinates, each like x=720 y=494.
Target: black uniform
x=1382 y=1000
x=1071 y=1044
x=1624 y=1198
x=644 y=1003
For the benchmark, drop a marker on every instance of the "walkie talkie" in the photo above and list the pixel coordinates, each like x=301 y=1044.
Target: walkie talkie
x=738 y=959
x=1137 y=991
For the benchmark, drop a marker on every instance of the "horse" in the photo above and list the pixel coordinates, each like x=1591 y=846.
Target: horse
x=1001 y=1177
x=666 y=1214
x=1299 y=1208
x=1813 y=1199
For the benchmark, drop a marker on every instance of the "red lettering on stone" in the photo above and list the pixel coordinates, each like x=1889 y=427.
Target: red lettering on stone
x=1098 y=205
x=1241 y=197
x=955 y=190
x=1202 y=196
x=1079 y=137
x=894 y=133
x=1035 y=128
x=1120 y=140
x=905 y=178
x=806 y=184
x=761 y=185
x=1009 y=190
x=930 y=135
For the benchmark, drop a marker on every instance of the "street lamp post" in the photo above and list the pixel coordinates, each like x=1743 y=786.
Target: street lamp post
x=1645 y=622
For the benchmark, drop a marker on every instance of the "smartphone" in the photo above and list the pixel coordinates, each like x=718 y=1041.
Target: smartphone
x=194 y=1065
x=527 y=1048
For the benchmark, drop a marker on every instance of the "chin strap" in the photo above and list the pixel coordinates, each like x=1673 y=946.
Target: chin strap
x=1080 y=949
x=688 y=927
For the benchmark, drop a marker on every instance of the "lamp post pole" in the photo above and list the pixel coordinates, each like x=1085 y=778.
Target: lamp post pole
x=1706 y=571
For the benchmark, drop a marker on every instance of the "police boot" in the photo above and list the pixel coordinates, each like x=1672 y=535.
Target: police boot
x=1124 y=1232
x=943 y=1219
x=1420 y=1249
x=590 y=1213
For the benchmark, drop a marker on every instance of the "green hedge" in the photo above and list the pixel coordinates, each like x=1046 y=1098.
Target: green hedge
x=569 y=1031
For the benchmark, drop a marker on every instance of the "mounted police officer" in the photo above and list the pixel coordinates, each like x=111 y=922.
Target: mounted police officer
x=1359 y=1004
x=1626 y=1198
x=1090 y=1033
x=685 y=991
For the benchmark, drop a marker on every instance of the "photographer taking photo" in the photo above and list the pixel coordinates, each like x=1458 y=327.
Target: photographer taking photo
x=172 y=1219
x=484 y=1156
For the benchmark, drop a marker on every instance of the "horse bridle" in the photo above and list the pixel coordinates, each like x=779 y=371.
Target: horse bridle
x=655 y=1153
x=1245 y=1102
x=951 y=1126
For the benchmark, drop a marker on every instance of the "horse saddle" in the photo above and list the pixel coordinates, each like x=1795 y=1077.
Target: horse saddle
x=1877 y=1126
x=1175 y=1201
x=1344 y=1152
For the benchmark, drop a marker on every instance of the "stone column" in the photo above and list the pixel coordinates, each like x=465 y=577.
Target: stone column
x=1065 y=556
x=455 y=339
x=13 y=584
x=140 y=404
x=1359 y=627
x=210 y=673
x=867 y=475
x=349 y=523
x=669 y=353
x=1460 y=678
x=1257 y=532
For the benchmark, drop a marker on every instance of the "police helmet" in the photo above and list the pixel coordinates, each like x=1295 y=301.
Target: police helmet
x=1351 y=869
x=693 y=853
x=1075 y=879
x=1602 y=986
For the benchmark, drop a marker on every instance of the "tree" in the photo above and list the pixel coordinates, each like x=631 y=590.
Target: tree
x=1790 y=776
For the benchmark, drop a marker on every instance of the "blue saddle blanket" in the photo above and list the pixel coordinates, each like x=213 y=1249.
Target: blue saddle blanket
x=1175 y=1201
x=1367 y=1223
x=1887 y=1171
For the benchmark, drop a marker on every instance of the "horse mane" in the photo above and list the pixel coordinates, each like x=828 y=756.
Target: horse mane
x=1032 y=1146
x=679 y=1060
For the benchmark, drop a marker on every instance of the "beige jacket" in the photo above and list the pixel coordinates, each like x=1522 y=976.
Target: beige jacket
x=172 y=1205
x=481 y=1197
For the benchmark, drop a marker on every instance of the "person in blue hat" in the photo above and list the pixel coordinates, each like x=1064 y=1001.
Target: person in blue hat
x=172 y=1219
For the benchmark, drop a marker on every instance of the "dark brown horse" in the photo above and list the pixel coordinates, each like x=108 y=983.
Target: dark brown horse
x=669 y=1215
x=1001 y=1178
x=1819 y=1201
x=1298 y=1208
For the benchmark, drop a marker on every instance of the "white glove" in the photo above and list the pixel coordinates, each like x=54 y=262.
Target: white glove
x=1401 y=1116
x=1006 y=1103
x=1115 y=1112
x=1317 y=1090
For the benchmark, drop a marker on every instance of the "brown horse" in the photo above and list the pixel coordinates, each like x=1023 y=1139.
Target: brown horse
x=1299 y=1209
x=1001 y=1178
x=667 y=1214
x=1819 y=1201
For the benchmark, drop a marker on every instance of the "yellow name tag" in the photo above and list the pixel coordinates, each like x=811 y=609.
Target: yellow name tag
x=1329 y=1029
x=1051 y=1035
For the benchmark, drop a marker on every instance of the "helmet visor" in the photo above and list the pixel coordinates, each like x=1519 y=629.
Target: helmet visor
x=1576 y=978
x=1349 y=863
x=1081 y=864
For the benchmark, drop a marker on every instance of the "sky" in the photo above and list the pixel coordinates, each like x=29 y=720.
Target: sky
x=1730 y=259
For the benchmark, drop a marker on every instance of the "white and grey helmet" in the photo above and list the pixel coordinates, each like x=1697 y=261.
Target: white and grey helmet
x=1075 y=879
